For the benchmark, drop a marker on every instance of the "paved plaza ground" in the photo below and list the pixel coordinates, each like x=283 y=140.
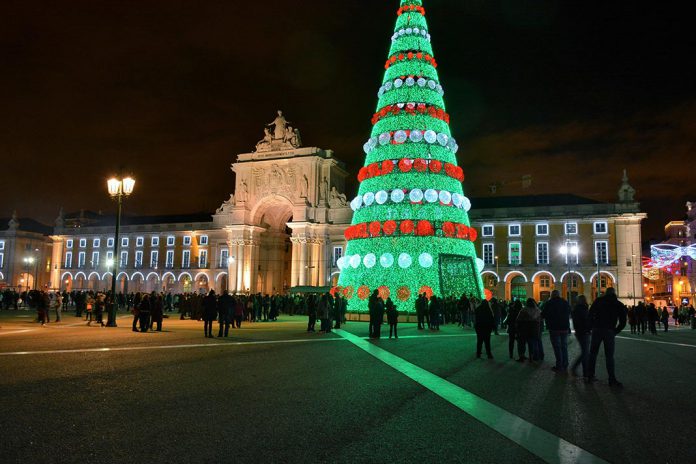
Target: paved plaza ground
x=273 y=393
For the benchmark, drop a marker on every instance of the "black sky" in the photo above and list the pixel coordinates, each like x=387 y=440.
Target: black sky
x=569 y=92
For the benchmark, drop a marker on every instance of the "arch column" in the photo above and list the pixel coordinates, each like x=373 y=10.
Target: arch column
x=302 y=263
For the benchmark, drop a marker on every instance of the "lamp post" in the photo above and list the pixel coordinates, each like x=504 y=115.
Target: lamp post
x=29 y=261
x=118 y=188
x=573 y=251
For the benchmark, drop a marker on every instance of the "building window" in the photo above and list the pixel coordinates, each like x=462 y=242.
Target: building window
x=124 y=242
x=154 y=258
x=603 y=282
x=109 y=242
x=571 y=252
x=138 y=259
x=68 y=259
x=124 y=259
x=186 y=259
x=2 y=260
x=154 y=241
x=574 y=281
x=543 y=253
x=515 y=253
x=488 y=253
x=109 y=255
x=545 y=281
x=139 y=241
x=601 y=228
x=571 y=228
x=68 y=243
x=96 y=243
x=170 y=259
x=203 y=259
x=187 y=240
x=170 y=240
x=337 y=254
x=95 y=259
x=2 y=244
x=487 y=230
x=81 y=260
x=83 y=242
x=514 y=230
x=542 y=229
x=602 y=252
x=224 y=257
x=203 y=240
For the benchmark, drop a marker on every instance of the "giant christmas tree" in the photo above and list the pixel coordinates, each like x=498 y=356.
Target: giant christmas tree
x=410 y=232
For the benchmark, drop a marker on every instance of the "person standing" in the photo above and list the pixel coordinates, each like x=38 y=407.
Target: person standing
x=311 y=314
x=58 y=302
x=556 y=313
x=581 y=324
x=225 y=313
x=665 y=319
x=528 y=321
x=209 y=313
x=392 y=317
x=484 y=325
x=156 y=311
x=421 y=308
x=238 y=311
x=144 y=312
x=607 y=317
x=511 y=322
x=434 y=311
x=99 y=306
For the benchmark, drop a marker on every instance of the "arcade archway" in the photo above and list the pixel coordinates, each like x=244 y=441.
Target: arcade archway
x=274 y=250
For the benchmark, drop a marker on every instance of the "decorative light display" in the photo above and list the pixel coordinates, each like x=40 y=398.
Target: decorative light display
x=667 y=258
x=410 y=232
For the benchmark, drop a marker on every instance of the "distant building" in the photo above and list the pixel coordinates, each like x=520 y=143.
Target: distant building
x=25 y=254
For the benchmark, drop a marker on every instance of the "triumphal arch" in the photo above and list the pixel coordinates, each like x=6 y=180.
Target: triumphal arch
x=286 y=217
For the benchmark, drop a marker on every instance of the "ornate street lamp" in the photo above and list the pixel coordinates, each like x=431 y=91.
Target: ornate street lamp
x=118 y=188
x=573 y=251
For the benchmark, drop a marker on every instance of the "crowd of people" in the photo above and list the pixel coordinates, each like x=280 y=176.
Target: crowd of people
x=524 y=322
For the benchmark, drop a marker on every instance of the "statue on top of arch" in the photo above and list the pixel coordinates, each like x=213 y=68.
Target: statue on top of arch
x=282 y=137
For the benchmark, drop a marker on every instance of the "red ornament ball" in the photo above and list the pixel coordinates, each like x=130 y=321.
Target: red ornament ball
x=389 y=227
x=403 y=293
x=363 y=292
x=384 y=292
x=427 y=290
x=406 y=227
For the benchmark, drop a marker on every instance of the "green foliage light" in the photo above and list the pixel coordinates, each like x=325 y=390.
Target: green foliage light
x=404 y=265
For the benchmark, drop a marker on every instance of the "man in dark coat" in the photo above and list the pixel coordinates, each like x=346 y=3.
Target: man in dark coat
x=484 y=325
x=607 y=318
x=582 y=334
x=421 y=308
x=556 y=313
x=209 y=313
x=225 y=313
x=376 y=309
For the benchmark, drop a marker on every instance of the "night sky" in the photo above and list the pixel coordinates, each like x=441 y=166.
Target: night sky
x=170 y=91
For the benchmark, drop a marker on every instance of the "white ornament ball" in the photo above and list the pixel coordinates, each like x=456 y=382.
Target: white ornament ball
x=410 y=81
x=397 y=196
x=368 y=198
x=384 y=138
x=466 y=204
x=388 y=85
x=409 y=30
x=370 y=260
x=355 y=261
x=386 y=260
x=445 y=197
x=341 y=262
x=381 y=197
x=480 y=264
x=442 y=139
x=457 y=200
x=398 y=83
x=416 y=195
x=400 y=136
x=421 y=82
x=425 y=260
x=356 y=203
x=431 y=195
x=416 y=136
x=405 y=260
x=432 y=84
x=430 y=136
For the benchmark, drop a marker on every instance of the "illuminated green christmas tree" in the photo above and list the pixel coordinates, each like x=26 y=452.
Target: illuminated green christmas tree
x=410 y=232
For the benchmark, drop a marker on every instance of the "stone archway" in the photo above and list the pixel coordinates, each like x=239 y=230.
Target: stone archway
x=516 y=286
x=271 y=271
x=572 y=286
x=543 y=284
x=606 y=280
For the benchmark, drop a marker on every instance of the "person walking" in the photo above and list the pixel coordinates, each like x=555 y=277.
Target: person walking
x=607 y=317
x=209 y=313
x=511 y=322
x=581 y=324
x=484 y=325
x=392 y=317
x=556 y=313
